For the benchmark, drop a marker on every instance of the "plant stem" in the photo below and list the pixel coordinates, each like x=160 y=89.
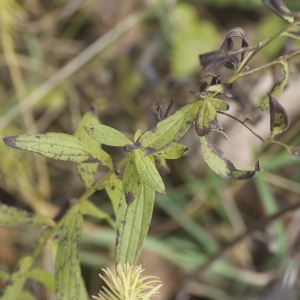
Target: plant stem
x=236 y=119
x=238 y=73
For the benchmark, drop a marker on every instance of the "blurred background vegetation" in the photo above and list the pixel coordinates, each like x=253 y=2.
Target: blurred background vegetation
x=59 y=57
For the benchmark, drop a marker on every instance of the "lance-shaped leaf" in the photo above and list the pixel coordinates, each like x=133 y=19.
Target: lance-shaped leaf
x=87 y=171
x=59 y=146
x=295 y=151
x=146 y=168
x=215 y=159
x=280 y=9
x=228 y=44
x=67 y=269
x=107 y=135
x=174 y=151
x=134 y=215
x=279 y=85
x=11 y=216
x=218 y=104
x=14 y=285
x=114 y=190
x=207 y=114
x=168 y=130
x=279 y=120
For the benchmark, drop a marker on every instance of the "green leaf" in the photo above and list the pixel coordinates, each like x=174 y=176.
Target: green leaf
x=218 y=103
x=174 y=151
x=279 y=120
x=107 y=135
x=11 y=216
x=43 y=277
x=89 y=208
x=207 y=114
x=280 y=9
x=279 y=85
x=134 y=215
x=168 y=130
x=146 y=168
x=87 y=171
x=114 y=190
x=221 y=165
x=217 y=89
x=14 y=285
x=67 y=269
x=59 y=146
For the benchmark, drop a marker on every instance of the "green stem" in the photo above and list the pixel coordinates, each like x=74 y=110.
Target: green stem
x=238 y=73
x=270 y=141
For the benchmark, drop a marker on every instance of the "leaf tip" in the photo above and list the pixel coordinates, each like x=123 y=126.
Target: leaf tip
x=10 y=141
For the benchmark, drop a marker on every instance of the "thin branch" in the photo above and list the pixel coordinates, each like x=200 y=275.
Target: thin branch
x=236 y=119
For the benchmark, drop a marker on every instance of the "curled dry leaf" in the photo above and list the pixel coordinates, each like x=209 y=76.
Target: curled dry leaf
x=228 y=45
x=281 y=10
x=214 y=59
x=279 y=120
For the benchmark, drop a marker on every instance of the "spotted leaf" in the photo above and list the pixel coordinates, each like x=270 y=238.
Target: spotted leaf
x=215 y=159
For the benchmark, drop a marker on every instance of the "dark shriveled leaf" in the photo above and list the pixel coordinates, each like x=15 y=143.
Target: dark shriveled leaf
x=278 y=117
x=214 y=157
x=228 y=44
x=214 y=59
x=295 y=151
x=280 y=9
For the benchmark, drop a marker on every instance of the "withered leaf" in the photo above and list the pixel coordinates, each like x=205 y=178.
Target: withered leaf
x=280 y=9
x=279 y=120
x=214 y=59
x=215 y=159
x=228 y=44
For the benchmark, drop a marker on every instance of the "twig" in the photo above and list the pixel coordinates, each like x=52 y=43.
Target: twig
x=228 y=115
